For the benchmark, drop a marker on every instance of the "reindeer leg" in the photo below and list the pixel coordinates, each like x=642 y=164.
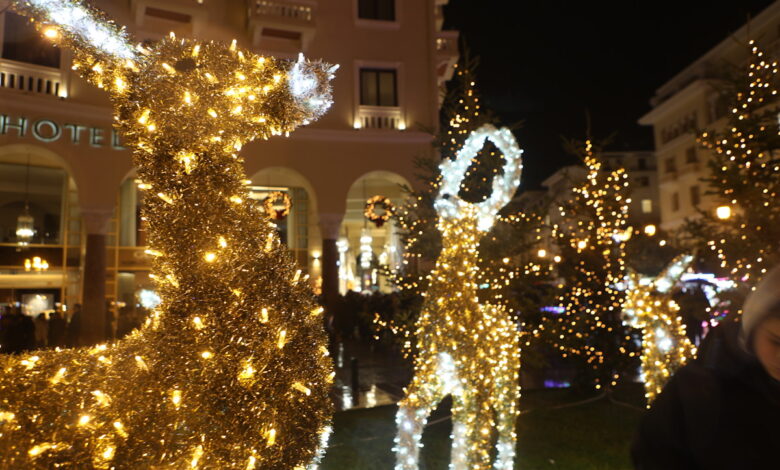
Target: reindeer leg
x=413 y=411
x=507 y=411
x=471 y=416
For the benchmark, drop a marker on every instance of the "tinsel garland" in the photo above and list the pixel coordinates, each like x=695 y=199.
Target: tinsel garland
x=231 y=370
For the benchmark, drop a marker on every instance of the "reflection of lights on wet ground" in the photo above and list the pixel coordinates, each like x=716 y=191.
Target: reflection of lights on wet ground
x=346 y=397
x=371 y=397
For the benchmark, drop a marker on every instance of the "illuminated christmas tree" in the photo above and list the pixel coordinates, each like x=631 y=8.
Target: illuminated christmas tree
x=745 y=175
x=231 y=370
x=590 y=240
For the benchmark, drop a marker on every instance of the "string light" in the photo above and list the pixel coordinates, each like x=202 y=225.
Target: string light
x=178 y=393
x=742 y=231
x=465 y=349
x=591 y=244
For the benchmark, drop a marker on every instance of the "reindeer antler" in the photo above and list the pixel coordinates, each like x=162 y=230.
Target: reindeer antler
x=449 y=205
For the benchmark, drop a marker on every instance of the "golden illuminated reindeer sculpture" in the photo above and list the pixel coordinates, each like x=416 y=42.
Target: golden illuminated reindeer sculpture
x=465 y=349
x=230 y=371
x=649 y=306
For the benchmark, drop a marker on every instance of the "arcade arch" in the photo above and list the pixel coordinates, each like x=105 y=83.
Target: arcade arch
x=365 y=248
x=37 y=182
x=299 y=230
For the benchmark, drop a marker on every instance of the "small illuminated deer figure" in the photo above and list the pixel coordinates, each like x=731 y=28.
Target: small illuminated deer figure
x=230 y=371
x=649 y=306
x=465 y=349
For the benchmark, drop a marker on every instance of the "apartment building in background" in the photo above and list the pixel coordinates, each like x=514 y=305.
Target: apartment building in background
x=690 y=101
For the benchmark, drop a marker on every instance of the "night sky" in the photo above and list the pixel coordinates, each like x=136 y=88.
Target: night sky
x=550 y=63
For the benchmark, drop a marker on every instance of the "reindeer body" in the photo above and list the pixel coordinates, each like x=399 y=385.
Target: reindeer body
x=650 y=307
x=231 y=369
x=466 y=349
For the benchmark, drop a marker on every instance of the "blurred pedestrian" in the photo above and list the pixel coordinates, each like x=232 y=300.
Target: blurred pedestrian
x=57 y=329
x=74 y=327
x=41 y=331
x=26 y=332
x=722 y=411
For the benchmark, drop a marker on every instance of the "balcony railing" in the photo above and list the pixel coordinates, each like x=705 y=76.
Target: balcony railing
x=380 y=117
x=447 y=42
x=29 y=78
x=295 y=11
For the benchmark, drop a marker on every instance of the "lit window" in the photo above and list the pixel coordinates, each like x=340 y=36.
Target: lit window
x=647 y=206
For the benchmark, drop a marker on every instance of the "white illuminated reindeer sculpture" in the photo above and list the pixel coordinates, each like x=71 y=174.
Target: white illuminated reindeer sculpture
x=649 y=306
x=465 y=349
x=230 y=371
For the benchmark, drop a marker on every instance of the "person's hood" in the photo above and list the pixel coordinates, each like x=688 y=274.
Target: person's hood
x=759 y=303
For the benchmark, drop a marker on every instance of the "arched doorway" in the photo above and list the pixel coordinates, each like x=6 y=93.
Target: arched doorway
x=297 y=224
x=40 y=230
x=368 y=250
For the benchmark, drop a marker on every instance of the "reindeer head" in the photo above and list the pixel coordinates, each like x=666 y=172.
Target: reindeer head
x=179 y=93
x=641 y=297
x=451 y=207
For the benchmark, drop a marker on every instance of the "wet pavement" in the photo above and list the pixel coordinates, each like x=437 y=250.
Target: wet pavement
x=368 y=376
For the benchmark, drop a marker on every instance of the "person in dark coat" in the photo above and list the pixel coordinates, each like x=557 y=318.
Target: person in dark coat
x=6 y=331
x=722 y=411
x=26 y=333
x=57 y=329
x=74 y=327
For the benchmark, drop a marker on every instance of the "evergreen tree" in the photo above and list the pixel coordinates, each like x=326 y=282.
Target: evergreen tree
x=744 y=233
x=590 y=239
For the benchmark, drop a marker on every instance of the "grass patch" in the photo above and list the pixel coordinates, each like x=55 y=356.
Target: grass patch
x=595 y=435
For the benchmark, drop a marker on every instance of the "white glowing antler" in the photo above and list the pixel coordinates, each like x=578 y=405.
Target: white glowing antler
x=673 y=272
x=449 y=205
x=82 y=26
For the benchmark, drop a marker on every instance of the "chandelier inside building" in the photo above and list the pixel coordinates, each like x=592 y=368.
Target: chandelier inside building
x=25 y=221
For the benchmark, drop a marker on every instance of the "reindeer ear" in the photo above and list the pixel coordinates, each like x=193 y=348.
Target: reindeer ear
x=102 y=50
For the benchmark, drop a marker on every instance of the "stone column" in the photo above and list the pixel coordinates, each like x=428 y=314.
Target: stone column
x=93 y=320
x=330 y=224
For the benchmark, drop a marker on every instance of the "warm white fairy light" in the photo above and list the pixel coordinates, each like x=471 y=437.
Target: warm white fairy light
x=190 y=388
x=468 y=350
x=649 y=306
x=77 y=20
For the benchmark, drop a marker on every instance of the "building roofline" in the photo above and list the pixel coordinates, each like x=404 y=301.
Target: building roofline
x=671 y=86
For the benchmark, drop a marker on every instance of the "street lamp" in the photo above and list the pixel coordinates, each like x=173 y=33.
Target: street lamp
x=650 y=230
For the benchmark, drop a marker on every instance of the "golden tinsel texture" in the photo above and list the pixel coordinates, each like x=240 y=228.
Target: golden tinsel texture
x=231 y=370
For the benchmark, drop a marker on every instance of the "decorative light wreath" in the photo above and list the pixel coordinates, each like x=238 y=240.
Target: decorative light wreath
x=371 y=214
x=274 y=213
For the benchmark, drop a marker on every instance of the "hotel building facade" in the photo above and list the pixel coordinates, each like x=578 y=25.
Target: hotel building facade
x=62 y=164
